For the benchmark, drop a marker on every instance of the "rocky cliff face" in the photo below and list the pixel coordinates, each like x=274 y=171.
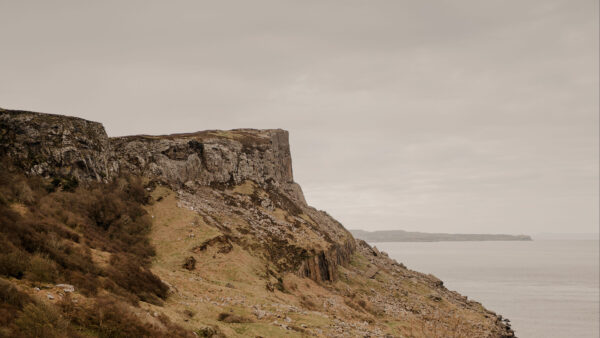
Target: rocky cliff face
x=203 y=167
x=55 y=145
x=210 y=158
x=50 y=145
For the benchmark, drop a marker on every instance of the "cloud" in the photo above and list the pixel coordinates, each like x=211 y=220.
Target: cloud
x=470 y=116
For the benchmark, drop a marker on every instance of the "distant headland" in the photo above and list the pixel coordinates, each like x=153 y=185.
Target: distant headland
x=408 y=236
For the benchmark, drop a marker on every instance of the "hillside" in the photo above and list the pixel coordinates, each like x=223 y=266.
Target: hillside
x=409 y=236
x=200 y=234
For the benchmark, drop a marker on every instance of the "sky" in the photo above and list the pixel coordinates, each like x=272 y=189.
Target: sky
x=437 y=116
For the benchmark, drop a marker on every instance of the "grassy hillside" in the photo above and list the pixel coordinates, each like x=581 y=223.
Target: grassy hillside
x=235 y=291
x=143 y=264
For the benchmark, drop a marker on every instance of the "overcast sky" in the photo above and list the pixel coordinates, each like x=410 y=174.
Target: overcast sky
x=445 y=116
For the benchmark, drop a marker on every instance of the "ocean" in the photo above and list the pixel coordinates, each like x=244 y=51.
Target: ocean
x=547 y=288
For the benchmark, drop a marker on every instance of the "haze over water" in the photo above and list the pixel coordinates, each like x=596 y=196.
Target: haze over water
x=547 y=288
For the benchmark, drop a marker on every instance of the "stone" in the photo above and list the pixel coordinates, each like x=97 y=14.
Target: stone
x=260 y=314
x=66 y=287
x=372 y=272
x=435 y=298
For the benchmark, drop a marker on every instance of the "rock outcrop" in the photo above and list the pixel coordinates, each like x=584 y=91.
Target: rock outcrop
x=55 y=145
x=210 y=157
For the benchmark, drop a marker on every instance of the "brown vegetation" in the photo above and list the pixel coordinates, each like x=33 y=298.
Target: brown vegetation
x=48 y=228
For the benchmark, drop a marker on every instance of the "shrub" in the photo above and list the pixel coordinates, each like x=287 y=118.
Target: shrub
x=10 y=295
x=209 y=332
x=41 y=269
x=189 y=263
x=41 y=320
x=233 y=318
x=308 y=303
x=23 y=192
x=85 y=283
x=14 y=264
x=129 y=274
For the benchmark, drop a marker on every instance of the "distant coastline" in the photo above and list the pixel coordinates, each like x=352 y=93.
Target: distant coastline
x=407 y=236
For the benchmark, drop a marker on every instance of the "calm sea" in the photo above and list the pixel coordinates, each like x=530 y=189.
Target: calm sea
x=547 y=288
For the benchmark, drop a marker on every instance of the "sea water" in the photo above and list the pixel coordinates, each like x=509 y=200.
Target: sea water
x=547 y=288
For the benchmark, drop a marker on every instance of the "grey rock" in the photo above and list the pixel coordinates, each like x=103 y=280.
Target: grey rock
x=66 y=287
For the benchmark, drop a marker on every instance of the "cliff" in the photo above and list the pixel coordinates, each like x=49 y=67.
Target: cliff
x=232 y=232
x=194 y=165
x=55 y=145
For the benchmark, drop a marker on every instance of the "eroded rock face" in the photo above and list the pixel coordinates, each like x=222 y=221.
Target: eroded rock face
x=211 y=157
x=203 y=167
x=55 y=145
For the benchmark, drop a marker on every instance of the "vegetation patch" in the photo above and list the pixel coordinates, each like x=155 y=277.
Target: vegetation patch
x=48 y=231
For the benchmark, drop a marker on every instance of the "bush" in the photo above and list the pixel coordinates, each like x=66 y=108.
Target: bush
x=308 y=303
x=129 y=274
x=189 y=263
x=11 y=302
x=232 y=318
x=10 y=295
x=209 y=332
x=14 y=264
x=41 y=320
x=41 y=269
x=85 y=283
